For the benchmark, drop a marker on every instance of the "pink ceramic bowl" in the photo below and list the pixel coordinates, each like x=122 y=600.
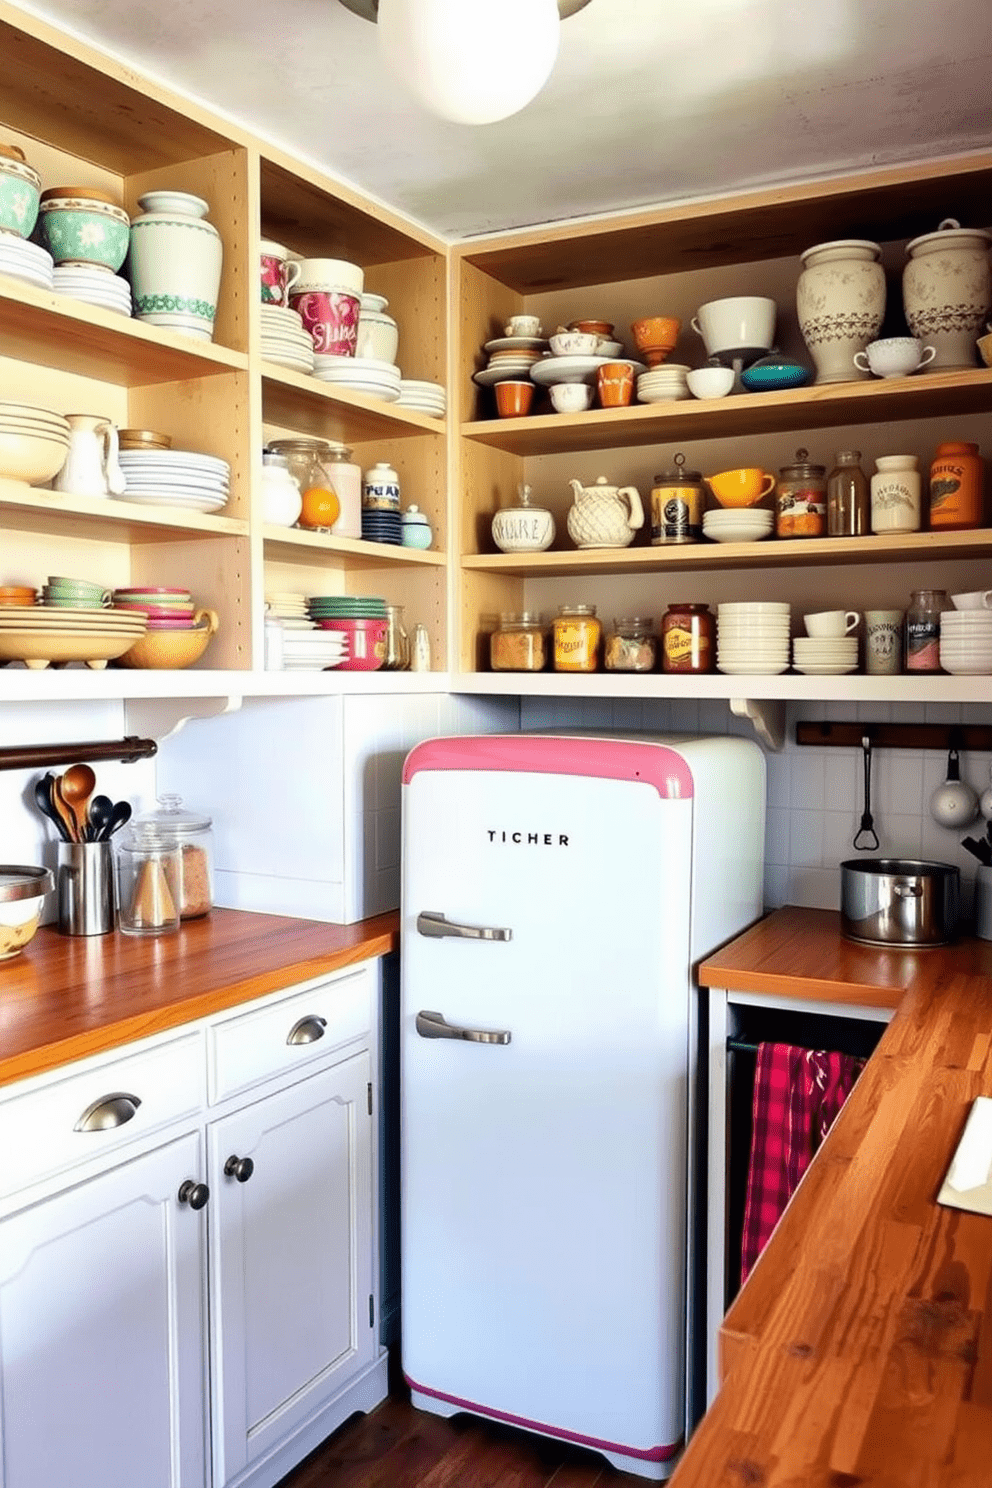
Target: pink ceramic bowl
x=366 y=643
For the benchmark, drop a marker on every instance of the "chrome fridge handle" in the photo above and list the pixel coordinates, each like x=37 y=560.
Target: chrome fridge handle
x=429 y=922
x=433 y=1025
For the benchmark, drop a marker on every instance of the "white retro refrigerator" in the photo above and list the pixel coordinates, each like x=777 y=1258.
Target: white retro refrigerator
x=557 y=891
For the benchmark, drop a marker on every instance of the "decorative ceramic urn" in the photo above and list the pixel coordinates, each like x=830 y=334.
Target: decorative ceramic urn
x=840 y=299
x=175 y=261
x=947 y=291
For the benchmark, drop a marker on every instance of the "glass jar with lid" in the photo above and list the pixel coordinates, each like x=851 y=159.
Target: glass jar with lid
x=576 y=638
x=923 y=629
x=173 y=826
x=519 y=643
x=678 y=497
x=848 y=497
x=687 y=634
x=801 y=498
x=631 y=646
x=148 y=882
x=305 y=460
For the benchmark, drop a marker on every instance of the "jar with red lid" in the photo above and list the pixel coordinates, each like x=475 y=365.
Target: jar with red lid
x=687 y=638
x=956 y=487
x=801 y=498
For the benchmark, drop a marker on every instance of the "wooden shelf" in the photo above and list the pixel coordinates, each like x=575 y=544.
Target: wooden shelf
x=772 y=552
x=288 y=541
x=327 y=411
x=942 y=394
x=28 y=509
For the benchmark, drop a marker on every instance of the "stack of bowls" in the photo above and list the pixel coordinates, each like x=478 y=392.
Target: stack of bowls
x=510 y=359
x=172 y=646
x=362 y=621
x=143 y=439
x=42 y=634
x=33 y=442
x=423 y=397
x=87 y=235
x=753 y=638
x=745 y=524
x=663 y=385
x=966 y=642
x=825 y=656
x=20 y=191
x=17 y=594
x=284 y=341
x=165 y=609
x=74 y=594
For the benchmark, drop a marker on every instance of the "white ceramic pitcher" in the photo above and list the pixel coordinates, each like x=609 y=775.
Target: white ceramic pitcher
x=91 y=466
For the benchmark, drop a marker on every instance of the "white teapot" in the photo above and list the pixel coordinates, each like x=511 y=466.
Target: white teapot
x=604 y=516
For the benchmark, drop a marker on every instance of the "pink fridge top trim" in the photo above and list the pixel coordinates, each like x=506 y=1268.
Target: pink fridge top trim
x=610 y=759
x=663 y=1453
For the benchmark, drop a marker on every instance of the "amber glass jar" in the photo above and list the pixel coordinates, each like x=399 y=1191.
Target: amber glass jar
x=576 y=639
x=520 y=644
x=956 y=487
x=630 y=646
x=801 y=498
x=687 y=638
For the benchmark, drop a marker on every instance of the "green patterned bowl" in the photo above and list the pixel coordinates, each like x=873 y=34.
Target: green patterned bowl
x=20 y=190
x=83 y=231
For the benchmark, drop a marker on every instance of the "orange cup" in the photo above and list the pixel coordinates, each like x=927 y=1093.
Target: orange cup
x=656 y=332
x=513 y=399
x=615 y=384
x=743 y=487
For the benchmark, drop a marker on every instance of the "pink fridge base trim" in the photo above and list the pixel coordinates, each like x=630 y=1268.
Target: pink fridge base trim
x=610 y=759
x=650 y=1454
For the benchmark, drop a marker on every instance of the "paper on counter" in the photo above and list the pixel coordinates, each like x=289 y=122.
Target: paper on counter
x=968 y=1184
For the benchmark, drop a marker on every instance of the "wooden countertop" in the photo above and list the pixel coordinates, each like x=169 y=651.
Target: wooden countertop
x=859 y=1353
x=65 y=997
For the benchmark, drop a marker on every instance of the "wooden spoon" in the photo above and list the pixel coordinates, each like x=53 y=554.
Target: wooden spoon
x=64 y=811
x=76 y=786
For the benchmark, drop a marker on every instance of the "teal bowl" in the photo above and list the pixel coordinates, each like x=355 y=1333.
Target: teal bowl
x=20 y=192
x=77 y=231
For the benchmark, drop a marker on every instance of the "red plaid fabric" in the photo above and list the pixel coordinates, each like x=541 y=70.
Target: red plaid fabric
x=797 y=1094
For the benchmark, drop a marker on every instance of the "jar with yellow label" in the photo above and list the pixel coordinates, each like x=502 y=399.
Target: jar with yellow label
x=576 y=639
x=687 y=638
x=678 y=497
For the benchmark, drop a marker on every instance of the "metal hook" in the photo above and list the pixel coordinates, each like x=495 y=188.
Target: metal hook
x=867 y=827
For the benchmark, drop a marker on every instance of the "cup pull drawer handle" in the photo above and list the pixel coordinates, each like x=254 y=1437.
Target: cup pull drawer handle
x=429 y=922
x=307 y=1031
x=107 y=1112
x=433 y=1025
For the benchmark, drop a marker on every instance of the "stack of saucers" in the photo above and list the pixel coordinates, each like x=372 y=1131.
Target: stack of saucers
x=382 y=526
x=425 y=397
x=663 y=384
x=20 y=259
x=284 y=340
x=95 y=286
x=364 y=374
x=166 y=609
x=167 y=477
x=966 y=642
x=752 y=638
x=738 y=524
x=825 y=656
x=291 y=609
x=510 y=359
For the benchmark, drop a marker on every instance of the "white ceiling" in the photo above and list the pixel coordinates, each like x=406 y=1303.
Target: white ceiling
x=650 y=101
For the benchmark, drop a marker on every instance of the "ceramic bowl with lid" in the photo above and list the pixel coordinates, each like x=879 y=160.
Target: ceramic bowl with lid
x=20 y=193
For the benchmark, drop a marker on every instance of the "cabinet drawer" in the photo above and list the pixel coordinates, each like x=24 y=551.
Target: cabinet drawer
x=44 y=1130
x=289 y=1033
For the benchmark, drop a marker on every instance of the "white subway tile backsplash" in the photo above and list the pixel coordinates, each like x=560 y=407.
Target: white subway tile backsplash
x=805 y=838
x=806 y=786
x=777 y=843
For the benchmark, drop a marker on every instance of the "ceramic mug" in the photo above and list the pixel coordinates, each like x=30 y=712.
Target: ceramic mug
x=615 y=384
x=831 y=622
x=976 y=599
x=743 y=487
x=883 y=642
x=523 y=325
x=894 y=356
x=327 y=297
x=278 y=273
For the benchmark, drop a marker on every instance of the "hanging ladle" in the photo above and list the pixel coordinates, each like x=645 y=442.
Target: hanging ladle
x=867 y=827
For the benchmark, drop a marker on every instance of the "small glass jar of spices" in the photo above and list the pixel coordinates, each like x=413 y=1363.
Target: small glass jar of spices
x=801 y=498
x=576 y=639
x=519 y=644
x=687 y=638
x=630 y=646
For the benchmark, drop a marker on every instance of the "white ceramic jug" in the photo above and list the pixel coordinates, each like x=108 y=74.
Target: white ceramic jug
x=604 y=516
x=91 y=467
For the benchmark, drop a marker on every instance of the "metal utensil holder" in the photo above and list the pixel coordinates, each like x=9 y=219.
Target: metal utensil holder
x=85 y=881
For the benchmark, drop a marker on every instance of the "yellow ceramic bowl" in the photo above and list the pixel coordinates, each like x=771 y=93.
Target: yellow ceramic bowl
x=744 y=487
x=984 y=344
x=164 y=649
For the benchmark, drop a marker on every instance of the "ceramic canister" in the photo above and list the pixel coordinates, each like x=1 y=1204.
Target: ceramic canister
x=277 y=272
x=327 y=295
x=381 y=488
x=840 y=300
x=20 y=192
x=378 y=333
x=895 y=494
x=947 y=291
x=174 y=263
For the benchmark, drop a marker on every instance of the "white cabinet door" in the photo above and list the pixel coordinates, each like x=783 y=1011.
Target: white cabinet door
x=290 y=1259
x=102 y=1340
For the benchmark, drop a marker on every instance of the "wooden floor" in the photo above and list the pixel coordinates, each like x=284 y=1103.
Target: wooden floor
x=397 y=1446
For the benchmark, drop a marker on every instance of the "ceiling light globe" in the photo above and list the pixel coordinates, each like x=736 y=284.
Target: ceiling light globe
x=471 y=61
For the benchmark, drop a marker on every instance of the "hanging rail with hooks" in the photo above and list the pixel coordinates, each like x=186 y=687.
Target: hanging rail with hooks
x=943 y=736
x=41 y=756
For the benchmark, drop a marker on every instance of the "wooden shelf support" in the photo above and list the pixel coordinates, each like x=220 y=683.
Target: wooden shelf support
x=768 y=717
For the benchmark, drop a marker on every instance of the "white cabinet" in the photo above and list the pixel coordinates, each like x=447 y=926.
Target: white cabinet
x=291 y=1257
x=102 y=1331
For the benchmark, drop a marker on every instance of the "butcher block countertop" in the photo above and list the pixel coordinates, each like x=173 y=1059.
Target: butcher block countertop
x=65 y=997
x=859 y=1353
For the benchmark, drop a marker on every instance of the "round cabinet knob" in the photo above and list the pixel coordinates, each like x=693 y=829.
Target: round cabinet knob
x=194 y=1194
x=240 y=1168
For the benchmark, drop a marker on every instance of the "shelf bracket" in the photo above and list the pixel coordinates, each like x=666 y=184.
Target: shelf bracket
x=768 y=717
x=162 y=718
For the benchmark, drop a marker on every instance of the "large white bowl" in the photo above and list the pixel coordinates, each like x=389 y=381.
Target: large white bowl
x=30 y=457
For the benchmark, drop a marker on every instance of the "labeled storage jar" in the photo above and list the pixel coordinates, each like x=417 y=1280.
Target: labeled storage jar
x=801 y=498
x=895 y=494
x=189 y=832
x=631 y=646
x=519 y=644
x=687 y=633
x=923 y=629
x=677 y=500
x=956 y=487
x=576 y=639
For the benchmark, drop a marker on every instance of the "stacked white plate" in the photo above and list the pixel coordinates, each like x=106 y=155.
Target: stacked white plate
x=364 y=374
x=552 y=369
x=753 y=638
x=176 y=478
x=744 y=524
x=284 y=340
x=663 y=383
x=27 y=261
x=94 y=286
x=966 y=642
x=510 y=359
x=425 y=397
x=313 y=652
x=291 y=609
x=825 y=656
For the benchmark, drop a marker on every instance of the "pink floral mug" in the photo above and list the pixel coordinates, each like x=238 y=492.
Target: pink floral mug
x=278 y=273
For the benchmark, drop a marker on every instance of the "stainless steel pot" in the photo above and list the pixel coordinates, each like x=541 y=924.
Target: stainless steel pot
x=899 y=901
